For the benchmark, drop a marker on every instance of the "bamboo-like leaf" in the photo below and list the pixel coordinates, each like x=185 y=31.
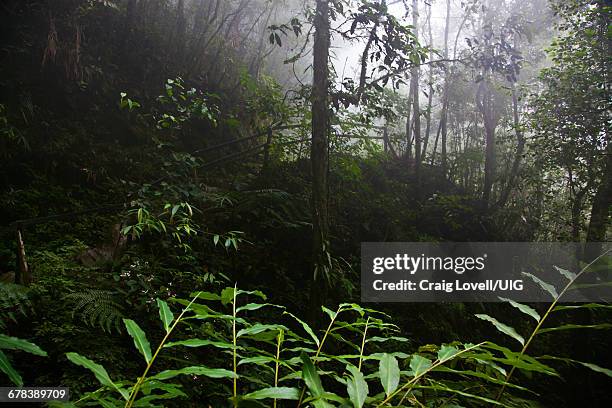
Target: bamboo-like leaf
x=7 y=368
x=165 y=314
x=283 y=393
x=419 y=365
x=200 y=343
x=306 y=327
x=99 y=371
x=523 y=308
x=389 y=373
x=569 y=275
x=600 y=326
x=259 y=328
x=590 y=366
x=447 y=352
x=356 y=386
x=140 y=339
x=546 y=286
x=195 y=370
x=13 y=343
x=503 y=328
x=311 y=376
x=585 y=306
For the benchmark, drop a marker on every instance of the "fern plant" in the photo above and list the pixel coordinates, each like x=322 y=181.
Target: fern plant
x=97 y=308
x=14 y=301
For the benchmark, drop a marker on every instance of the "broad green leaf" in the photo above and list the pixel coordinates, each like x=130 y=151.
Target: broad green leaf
x=389 y=373
x=140 y=339
x=590 y=366
x=227 y=295
x=311 y=376
x=546 y=286
x=7 y=368
x=503 y=328
x=13 y=343
x=447 y=352
x=569 y=275
x=523 y=308
x=284 y=393
x=254 y=306
x=356 y=386
x=419 y=365
x=600 y=326
x=332 y=315
x=306 y=327
x=165 y=314
x=195 y=370
x=99 y=371
x=259 y=328
x=200 y=343
x=585 y=306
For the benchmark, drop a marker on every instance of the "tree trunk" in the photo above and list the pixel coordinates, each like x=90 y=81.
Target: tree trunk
x=444 y=117
x=415 y=98
x=319 y=152
x=520 y=149
x=431 y=90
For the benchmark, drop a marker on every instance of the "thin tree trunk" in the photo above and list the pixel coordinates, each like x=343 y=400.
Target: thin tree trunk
x=520 y=149
x=431 y=90
x=319 y=153
x=415 y=99
x=444 y=118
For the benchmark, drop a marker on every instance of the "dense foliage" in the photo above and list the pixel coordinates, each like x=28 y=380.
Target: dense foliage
x=185 y=185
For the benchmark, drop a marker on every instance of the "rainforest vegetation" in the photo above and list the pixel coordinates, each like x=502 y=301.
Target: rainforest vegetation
x=185 y=186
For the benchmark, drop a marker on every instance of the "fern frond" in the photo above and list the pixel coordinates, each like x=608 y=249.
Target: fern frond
x=98 y=308
x=14 y=301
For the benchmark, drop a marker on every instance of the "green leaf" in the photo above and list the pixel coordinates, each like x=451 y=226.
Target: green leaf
x=590 y=366
x=585 y=306
x=389 y=373
x=546 y=286
x=447 y=352
x=165 y=314
x=419 y=365
x=356 y=386
x=576 y=327
x=283 y=393
x=200 y=343
x=254 y=306
x=140 y=339
x=311 y=376
x=306 y=327
x=13 y=343
x=503 y=328
x=259 y=328
x=523 y=308
x=195 y=370
x=7 y=368
x=99 y=371
x=569 y=275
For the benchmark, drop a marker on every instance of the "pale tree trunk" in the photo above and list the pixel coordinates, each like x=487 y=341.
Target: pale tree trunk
x=444 y=118
x=431 y=90
x=520 y=149
x=415 y=98
x=486 y=106
x=319 y=152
